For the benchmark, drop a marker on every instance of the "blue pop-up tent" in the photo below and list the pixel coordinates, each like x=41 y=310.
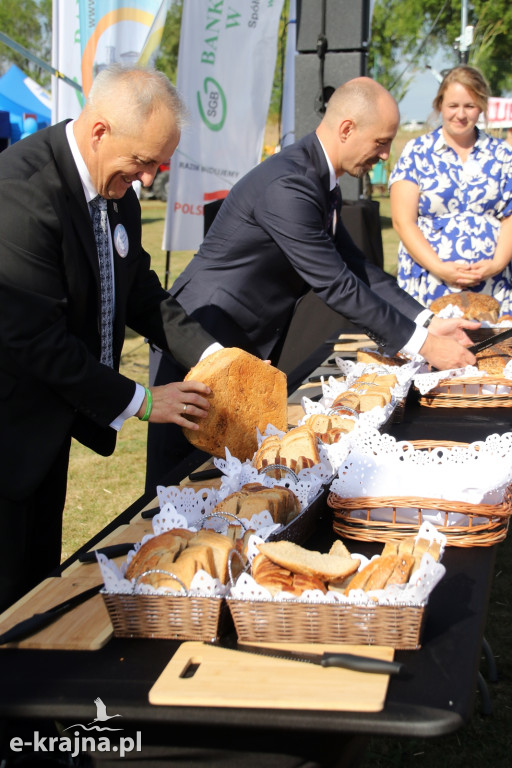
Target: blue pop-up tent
x=22 y=96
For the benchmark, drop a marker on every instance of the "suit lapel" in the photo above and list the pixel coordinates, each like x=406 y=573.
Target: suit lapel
x=72 y=186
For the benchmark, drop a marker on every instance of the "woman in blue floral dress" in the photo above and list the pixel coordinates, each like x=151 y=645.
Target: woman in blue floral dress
x=451 y=200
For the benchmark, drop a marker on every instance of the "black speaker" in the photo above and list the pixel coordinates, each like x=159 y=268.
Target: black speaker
x=347 y=24
x=310 y=97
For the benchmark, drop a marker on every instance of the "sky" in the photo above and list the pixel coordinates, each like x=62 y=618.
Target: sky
x=417 y=103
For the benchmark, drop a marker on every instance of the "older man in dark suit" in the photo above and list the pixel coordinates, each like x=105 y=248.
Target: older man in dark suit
x=278 y=234
x=62 y=324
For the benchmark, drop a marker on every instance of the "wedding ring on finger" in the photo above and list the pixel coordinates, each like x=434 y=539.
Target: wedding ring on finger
x=185 y=408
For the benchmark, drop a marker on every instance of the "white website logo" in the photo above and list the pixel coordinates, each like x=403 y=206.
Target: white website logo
x=77 y=743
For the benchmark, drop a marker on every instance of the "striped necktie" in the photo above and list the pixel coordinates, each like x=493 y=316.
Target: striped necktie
x=101 y=233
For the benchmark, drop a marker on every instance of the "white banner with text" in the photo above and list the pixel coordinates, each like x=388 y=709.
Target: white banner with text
x=226 y=65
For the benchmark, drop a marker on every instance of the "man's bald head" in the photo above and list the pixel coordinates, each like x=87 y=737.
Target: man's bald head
x=362 y=99
x=359 y=124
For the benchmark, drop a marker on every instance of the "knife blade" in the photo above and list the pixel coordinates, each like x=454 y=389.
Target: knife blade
x=111 y=551
x=39 y=621
x=490 y=341
x=328 y=659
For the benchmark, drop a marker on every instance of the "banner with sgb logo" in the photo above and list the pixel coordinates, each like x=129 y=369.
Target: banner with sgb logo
x=226 y=64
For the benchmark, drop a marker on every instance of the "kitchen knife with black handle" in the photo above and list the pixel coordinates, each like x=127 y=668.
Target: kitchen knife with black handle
x=490 y=341
x=346 y=660
x=38 y=621
x=111 y=551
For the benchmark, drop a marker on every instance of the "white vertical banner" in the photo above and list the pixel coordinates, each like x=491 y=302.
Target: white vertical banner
x=226 y=65
x=90 y=34
x=67 y=102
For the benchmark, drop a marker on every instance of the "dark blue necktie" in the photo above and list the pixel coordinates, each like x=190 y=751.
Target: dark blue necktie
x=334 y=208
x=100 y=226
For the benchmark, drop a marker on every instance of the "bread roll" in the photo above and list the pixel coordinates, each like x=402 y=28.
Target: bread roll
x=380 y=575
x=164 y=547
x=300 y=583
x=253 y=498
x=339 y=549
x=181 y=553
x=247 y=394
x=371 y=356
x=402 y=570
x=475 y=306
x=310 y=563
x=296 y=449
x=220 y=547
x=270 y=575
x=494 y=359
x=360 y=579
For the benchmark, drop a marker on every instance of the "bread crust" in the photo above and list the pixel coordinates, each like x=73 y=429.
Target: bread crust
x=296 y=559
x=475 y=306
x=247 y=394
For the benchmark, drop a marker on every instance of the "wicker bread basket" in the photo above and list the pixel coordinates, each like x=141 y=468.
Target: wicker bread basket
x=176 y=617
x=397 y=626
x=468 y=392
x=369 y=528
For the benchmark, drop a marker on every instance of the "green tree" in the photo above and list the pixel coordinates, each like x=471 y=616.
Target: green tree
x=406 y=33
x=28 y=23
x=167 y=59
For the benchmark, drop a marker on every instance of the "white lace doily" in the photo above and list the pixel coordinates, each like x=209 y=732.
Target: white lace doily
x=404 y=373
x=202 y=583
x=376 y=416
x=415 y=592
x=379 y=465
x=451 y=310
x=428 y=381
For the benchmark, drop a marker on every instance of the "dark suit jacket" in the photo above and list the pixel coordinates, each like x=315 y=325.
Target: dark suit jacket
x=269 y=244
x=51 y=381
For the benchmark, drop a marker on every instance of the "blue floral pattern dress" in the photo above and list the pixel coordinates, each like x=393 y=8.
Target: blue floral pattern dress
x=461 y=206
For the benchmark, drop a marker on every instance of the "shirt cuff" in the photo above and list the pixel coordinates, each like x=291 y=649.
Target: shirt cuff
x=131 y=409
x=212 y=348
x=416 y=341
x=423 y=316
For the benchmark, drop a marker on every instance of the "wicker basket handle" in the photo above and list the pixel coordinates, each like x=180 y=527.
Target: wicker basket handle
x=282 y=467
x=159 y=570
x=223 y=516
x=245 y=565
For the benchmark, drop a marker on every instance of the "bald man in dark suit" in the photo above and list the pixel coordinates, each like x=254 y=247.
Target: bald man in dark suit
x=276 y=236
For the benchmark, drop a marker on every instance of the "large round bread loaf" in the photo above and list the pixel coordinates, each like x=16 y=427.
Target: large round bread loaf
x=476 y=306
x=247 y=395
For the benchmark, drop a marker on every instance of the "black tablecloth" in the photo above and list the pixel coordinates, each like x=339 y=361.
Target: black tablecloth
x=434 y=697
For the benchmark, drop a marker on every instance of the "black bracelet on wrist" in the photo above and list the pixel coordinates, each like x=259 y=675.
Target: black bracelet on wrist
x=428 y=321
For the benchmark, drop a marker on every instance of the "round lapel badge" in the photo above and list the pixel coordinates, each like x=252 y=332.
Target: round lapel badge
x=121 y=240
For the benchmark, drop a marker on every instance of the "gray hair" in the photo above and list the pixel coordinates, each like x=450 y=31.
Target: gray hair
x=127 y=96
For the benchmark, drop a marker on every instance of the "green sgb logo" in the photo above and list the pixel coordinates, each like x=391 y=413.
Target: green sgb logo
x=212 y=104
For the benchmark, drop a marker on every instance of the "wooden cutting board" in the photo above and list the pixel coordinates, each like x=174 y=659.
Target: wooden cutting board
x=229 y=678
x=84 y=628
x=131 y=534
